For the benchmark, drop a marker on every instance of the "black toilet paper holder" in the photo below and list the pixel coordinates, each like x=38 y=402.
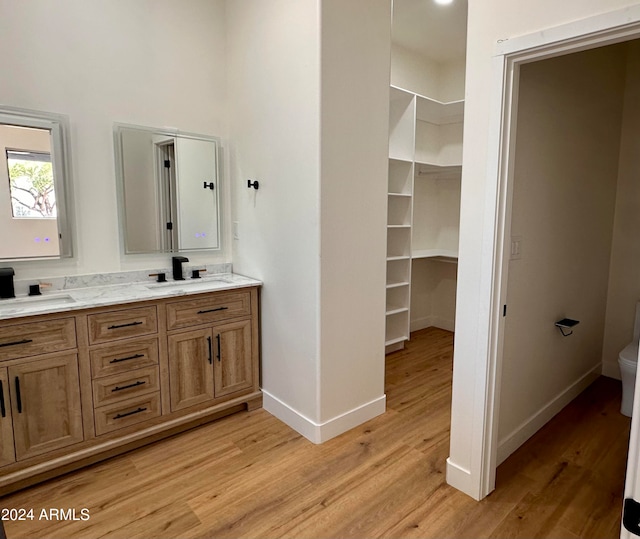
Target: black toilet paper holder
x=566 y=323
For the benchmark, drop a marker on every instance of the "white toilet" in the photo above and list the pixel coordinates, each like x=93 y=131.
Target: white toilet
x=628 y=361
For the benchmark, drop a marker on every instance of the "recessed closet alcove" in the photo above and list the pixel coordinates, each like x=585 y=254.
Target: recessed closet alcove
x=425 y=166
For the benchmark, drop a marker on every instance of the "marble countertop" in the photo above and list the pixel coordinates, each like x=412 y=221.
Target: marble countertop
x=73 y=299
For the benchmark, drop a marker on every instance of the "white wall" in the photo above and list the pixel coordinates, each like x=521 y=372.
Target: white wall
x=624 y=274
x=436 y=219
x=148 y=62
x=485 y=28
x=452 y=80
x=414 y=72
x=308 y=91
x=565 y=176
x=274 y=106
x=353 y=192
x=421 y=75
x=433 y=294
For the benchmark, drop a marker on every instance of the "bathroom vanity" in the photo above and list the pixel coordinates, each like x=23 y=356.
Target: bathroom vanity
x=90 y=373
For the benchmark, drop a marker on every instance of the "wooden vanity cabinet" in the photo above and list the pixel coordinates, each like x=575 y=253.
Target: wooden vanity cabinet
x=86 y=385
x=232 y=362
x=125 y=375
x=41 y=408
x=190 y=368
x=7 y=452
x=45 y=405
x=215 y=360
x=40 y=393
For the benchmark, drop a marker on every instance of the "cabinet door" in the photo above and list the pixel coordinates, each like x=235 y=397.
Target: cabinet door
x=233 y=365
x=7 y=455
x=45 y=404
x=190 y=368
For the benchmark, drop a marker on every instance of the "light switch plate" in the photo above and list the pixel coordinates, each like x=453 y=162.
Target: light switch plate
x=516 y=248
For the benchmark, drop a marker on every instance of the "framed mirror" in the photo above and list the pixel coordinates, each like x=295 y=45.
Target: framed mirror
x=168 y=185
x=34 y=185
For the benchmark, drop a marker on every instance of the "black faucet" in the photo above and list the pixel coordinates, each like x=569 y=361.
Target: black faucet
x=177 y=267
x=6 y=283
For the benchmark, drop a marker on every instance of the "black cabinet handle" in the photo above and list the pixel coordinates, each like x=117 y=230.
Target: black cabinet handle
x=218 y=339
x=210 y=355
x=118 y=360
x=213 y=310
x=120 y=416
x=23 y=341
x=136 y=384
x=125 y=325
x=18 y=396
x=3 y=410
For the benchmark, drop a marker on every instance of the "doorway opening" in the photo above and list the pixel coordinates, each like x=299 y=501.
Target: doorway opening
x=562 y=238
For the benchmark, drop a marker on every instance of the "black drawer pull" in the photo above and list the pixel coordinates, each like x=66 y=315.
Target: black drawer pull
x=120 y=416
x=118 y=360
x=213 y=310
x=120 y=388
x=18 y=396
x=23 y=341
x=3 y=410
x=210 y=355
x=218 y=339
x=125 y=325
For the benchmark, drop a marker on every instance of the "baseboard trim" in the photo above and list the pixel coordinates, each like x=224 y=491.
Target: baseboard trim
x=432 y=321
x=460 y=478
x=420 y=323
x=394 y=347
x=321 y=432
x=534 y=423
x=611 y=369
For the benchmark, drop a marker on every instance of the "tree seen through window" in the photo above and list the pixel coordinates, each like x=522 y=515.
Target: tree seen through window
x=31 y=184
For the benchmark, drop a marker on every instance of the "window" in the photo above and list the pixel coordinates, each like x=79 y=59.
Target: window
x=31 y=184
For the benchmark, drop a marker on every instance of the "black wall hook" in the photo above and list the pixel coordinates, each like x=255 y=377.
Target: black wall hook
x=255 y=184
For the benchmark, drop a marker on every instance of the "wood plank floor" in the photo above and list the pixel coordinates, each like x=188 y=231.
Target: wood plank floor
x=249 y=475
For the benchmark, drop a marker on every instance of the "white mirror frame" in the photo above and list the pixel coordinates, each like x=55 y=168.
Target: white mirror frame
x=120 y=181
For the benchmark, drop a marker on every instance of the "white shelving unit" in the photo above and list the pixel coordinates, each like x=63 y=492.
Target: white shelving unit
x=402 y=119
x=425 y=166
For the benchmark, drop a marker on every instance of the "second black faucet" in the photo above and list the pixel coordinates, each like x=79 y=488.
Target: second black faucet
x=177 y=262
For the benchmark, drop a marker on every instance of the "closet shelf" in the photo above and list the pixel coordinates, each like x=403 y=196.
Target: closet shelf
x=394 y=309
x=396 y=340
x=431 y=110
x=401 y=159
x=433 y=170
x=398 y=285
x=401 y=257
x=435 y=253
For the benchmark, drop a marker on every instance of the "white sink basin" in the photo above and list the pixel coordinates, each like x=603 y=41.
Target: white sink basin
x=38 y=300
x=188 y=284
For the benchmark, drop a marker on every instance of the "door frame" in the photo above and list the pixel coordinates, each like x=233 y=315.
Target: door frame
x=601 y=30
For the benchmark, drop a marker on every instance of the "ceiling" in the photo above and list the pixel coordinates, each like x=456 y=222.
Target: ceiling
x=435 y=31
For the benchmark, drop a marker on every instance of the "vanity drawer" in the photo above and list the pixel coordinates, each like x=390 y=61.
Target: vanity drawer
x=105 y=327
x=33 y=338
x=193 y=312
x=123 y=357
x=125 y=386
x=124 y=414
